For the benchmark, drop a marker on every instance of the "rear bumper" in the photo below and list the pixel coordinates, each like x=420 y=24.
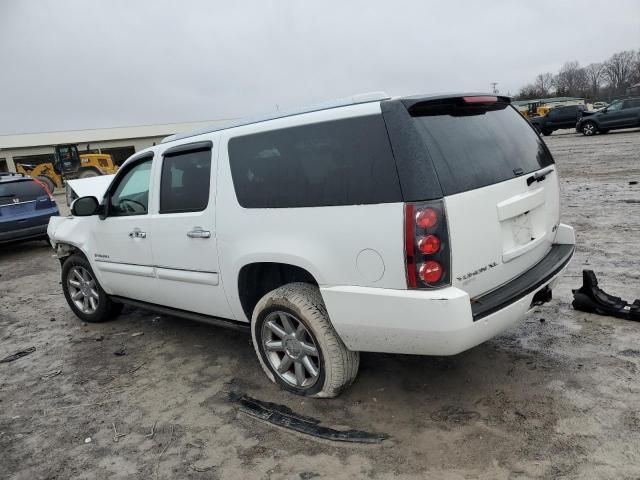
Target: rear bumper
x=24 y=233
x=439 y=322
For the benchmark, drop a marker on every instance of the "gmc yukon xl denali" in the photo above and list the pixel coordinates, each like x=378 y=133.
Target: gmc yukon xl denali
x=417 y=225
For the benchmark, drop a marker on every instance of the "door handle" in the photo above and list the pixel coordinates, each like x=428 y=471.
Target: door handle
x=137 y=233
x=198 y=232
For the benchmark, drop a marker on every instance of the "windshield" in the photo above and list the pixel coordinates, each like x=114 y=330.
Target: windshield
x=475 y=146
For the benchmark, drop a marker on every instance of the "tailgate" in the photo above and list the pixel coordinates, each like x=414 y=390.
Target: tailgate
x=499 y=185
x=500 y=231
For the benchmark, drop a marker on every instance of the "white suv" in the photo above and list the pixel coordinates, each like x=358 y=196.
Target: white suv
x=417 y=225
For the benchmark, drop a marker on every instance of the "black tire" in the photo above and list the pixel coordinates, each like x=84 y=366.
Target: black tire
x=105 y=309
x=603 y=131
x=547 y=132
x=337 y=366
x=87 y=173
x=48 y=182
x=589 y=128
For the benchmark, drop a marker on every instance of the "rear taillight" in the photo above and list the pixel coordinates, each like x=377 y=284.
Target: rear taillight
x=427 y=250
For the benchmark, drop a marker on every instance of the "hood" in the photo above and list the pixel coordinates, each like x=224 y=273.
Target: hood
x=92 y=186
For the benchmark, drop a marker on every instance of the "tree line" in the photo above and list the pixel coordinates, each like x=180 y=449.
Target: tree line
x=595 y=81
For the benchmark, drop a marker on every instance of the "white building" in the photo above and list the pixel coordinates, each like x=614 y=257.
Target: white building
x=120 y=142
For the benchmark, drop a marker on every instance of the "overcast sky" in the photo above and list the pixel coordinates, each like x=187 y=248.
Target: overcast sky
x=77 y=64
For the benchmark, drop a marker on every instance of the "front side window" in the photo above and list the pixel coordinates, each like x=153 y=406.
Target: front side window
x=614 y=107
x=341 y=162
x=131 y=196
x=185 y=182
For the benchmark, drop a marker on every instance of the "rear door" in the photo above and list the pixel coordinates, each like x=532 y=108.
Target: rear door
x=183 y=231
x=502 y=218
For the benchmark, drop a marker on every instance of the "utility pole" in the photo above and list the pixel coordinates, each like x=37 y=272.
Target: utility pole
x=493 y=87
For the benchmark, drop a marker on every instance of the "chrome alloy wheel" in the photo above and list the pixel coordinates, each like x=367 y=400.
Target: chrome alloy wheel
x=82 y=289
x=290 y=349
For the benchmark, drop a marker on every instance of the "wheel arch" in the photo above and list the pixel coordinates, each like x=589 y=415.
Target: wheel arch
x=256 y=279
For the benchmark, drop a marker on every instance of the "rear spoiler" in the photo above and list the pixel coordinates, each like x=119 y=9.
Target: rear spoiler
x=460 y=98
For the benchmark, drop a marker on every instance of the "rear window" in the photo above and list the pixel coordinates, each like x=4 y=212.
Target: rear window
x=20 y=191
x=342 y=162
x=472 y=147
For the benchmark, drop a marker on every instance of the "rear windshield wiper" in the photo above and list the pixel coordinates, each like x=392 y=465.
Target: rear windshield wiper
x=539 y=176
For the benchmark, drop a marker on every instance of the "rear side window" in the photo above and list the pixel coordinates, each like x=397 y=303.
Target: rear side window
x=342 y=162
x=472 y=147
x=184 y=186
x=20 y=191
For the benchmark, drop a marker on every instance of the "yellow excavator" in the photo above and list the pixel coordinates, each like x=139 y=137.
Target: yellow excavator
x=68 y=164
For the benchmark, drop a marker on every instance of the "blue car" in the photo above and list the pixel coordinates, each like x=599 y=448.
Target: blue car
x=25 y=208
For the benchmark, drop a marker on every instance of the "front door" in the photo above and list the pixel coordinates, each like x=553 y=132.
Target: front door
x=121 y=245
x=183 y=231
x=613 y=116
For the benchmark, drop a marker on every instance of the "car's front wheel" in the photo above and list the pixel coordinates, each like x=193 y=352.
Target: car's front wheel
x=589 y=128
x=84 y=294
x=296 y=344
x=546 y=132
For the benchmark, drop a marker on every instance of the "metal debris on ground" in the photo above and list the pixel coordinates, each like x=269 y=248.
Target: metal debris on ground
x=17 y=355
x=55 y=373
x=120 y=352
x=590 y=298
x=283 y=416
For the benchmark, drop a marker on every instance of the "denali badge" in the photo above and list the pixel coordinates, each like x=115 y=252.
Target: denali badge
x=469 y=275
x=100 y=255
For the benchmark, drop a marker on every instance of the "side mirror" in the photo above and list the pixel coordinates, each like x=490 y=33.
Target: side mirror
x=84 y=207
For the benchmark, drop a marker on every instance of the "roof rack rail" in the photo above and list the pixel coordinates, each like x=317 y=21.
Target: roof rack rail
x=341 y=102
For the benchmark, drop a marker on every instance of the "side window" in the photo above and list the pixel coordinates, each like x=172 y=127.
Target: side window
x=184 y=186
x=341 y=162
x=553 y=113
x=614 y=107
x=631 y=104
x=131 y=196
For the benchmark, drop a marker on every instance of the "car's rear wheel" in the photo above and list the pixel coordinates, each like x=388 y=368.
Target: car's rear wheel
x=589 y=128
x=84 y=294
x=296 y=344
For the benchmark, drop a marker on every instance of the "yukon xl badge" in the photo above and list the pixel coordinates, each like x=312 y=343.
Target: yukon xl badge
x=469 y=275
x=100 y=255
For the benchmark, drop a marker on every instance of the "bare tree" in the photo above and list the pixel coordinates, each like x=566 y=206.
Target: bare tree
x=528 y=92
x=594 y=73
x=571 y=80
x=635 y=74
x=619 y=70
x=543 y=83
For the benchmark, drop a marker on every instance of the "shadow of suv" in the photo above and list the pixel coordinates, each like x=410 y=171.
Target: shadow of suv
x=620 y=114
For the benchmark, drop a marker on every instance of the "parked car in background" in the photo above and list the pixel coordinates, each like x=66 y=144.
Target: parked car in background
x=417 y=225
x=25 y=208
x=619 y=114
x=557 y=118
x=599 y=105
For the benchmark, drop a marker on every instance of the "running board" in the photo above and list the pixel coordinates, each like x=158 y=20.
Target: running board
x=590 y=298
x=175 y=312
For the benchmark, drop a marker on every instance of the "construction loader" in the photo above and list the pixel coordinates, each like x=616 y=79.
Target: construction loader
x=68 y=164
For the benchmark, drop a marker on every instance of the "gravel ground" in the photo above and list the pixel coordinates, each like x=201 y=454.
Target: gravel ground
x=557 y=396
